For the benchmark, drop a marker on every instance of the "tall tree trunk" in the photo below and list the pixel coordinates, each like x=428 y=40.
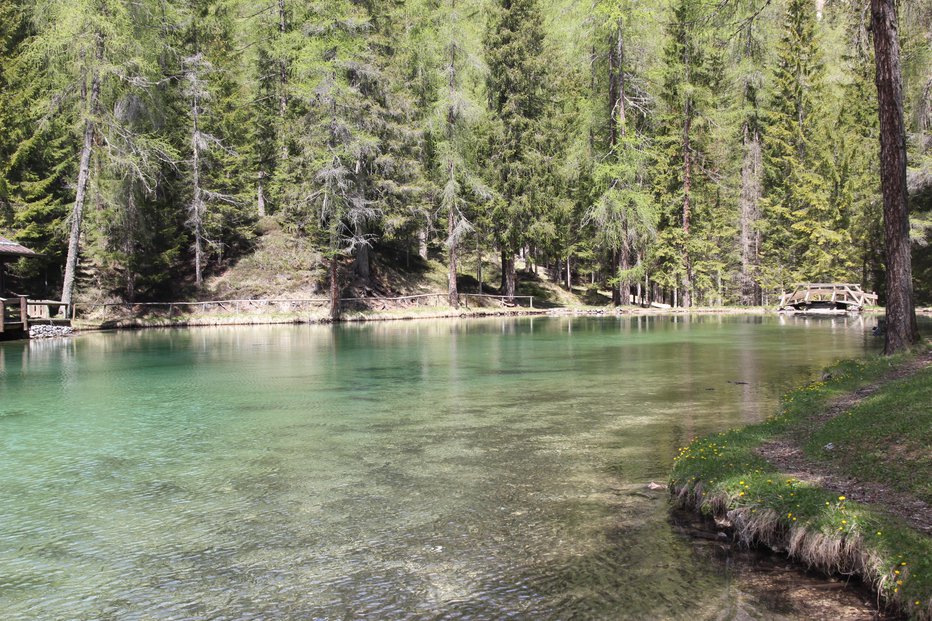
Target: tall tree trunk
x=452 y=291
x=479 y=262
x=902 y=330
x=612 y=94
x=618 y=113
x=687 y=195
x=616 y=90
x=422 y=242
x=616 y=287
x=749 y=208
x=260 y=194
x=84 y=174
x=624 y=264
x=569 y=274
x=197 y=200
x=509 y=276
x=334 y=288
x=282 y=79
x=361 y=265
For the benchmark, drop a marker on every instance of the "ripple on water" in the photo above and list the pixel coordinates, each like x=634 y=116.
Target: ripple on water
x=337 y=472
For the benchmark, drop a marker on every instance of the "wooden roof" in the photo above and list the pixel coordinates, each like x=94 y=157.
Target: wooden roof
x=9 y=248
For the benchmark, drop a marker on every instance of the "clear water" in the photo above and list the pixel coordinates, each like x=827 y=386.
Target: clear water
x=480 y=469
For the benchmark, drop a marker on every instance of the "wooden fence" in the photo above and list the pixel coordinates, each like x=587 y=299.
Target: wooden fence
x=13 y=314
x=294 y=304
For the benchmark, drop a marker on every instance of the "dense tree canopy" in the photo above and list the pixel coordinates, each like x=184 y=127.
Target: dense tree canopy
x=669 y=150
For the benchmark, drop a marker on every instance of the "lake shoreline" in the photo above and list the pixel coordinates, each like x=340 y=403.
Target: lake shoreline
x=254 y=319
x=763 y=486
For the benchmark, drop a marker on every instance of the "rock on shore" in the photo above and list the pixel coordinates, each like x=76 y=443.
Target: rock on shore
x=43 y=331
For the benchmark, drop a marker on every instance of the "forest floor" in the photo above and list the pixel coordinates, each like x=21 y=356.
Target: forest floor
x=839 y=479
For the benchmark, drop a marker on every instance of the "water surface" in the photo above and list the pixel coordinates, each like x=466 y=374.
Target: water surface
x=480 y=469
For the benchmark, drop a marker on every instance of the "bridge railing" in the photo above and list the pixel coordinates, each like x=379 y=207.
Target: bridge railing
x=13 y=310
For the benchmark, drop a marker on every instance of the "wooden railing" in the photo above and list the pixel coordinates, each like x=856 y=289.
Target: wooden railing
x=288 y=304
x=844 y=293
x=13 y=311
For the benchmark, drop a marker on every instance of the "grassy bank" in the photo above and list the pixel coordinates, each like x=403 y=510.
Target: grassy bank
x=855 y=501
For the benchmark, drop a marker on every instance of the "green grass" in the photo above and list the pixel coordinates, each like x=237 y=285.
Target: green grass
x=722 y=475
x=886 y=439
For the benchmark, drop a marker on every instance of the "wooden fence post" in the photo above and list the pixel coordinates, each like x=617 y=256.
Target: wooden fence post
x=23 y=313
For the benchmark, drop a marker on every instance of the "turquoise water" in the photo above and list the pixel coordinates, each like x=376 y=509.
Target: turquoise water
x=479 y=469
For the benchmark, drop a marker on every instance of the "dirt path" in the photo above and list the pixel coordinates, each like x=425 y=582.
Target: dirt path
x=785 y=453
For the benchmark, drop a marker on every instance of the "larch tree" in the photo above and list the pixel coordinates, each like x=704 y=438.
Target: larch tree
x=450 y=133
x=902 y=330
x=330 y=204
x=94 y=52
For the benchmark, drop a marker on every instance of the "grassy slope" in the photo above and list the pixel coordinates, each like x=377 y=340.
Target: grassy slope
x=723 y=476
x=282 y=267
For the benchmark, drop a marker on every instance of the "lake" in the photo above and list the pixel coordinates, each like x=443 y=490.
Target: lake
x=455 y=469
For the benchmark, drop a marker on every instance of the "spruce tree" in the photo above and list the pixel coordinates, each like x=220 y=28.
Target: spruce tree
x=804 y=236
x=688 y=74
x=518 y=102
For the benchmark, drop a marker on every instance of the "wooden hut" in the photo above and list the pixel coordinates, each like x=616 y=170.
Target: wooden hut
x=11 y=251
x=14 y=320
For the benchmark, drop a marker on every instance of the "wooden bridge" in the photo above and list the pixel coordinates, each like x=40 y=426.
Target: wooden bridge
x=18 y=313
x=827 y=298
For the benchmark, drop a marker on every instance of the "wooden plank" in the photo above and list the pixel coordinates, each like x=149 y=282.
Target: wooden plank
x=23 y=315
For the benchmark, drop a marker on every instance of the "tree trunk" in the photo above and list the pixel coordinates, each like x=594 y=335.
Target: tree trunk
x=260 y=194
x=84 y=173
x=361 y=264
x=902 y=331
x=197 y=199
x=452 y=291
x=509 y=277
x=334 y=288
x=282 y=78
x=619 y=117
x=749 y=208
x=569 y=274
x=616 y=287
x=479 y=263
x=687 y=189
x=624 y=264
x=612 y=94
x=422 y=243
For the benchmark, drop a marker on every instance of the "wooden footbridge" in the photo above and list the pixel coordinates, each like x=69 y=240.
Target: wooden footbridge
x=826 y=298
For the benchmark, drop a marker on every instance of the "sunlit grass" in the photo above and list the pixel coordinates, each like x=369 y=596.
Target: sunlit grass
x=723 y=475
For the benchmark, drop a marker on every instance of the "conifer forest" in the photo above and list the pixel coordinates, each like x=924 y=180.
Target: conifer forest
x=698 y=152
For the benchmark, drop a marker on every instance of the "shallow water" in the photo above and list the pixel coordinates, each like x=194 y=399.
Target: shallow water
x=480 y=469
